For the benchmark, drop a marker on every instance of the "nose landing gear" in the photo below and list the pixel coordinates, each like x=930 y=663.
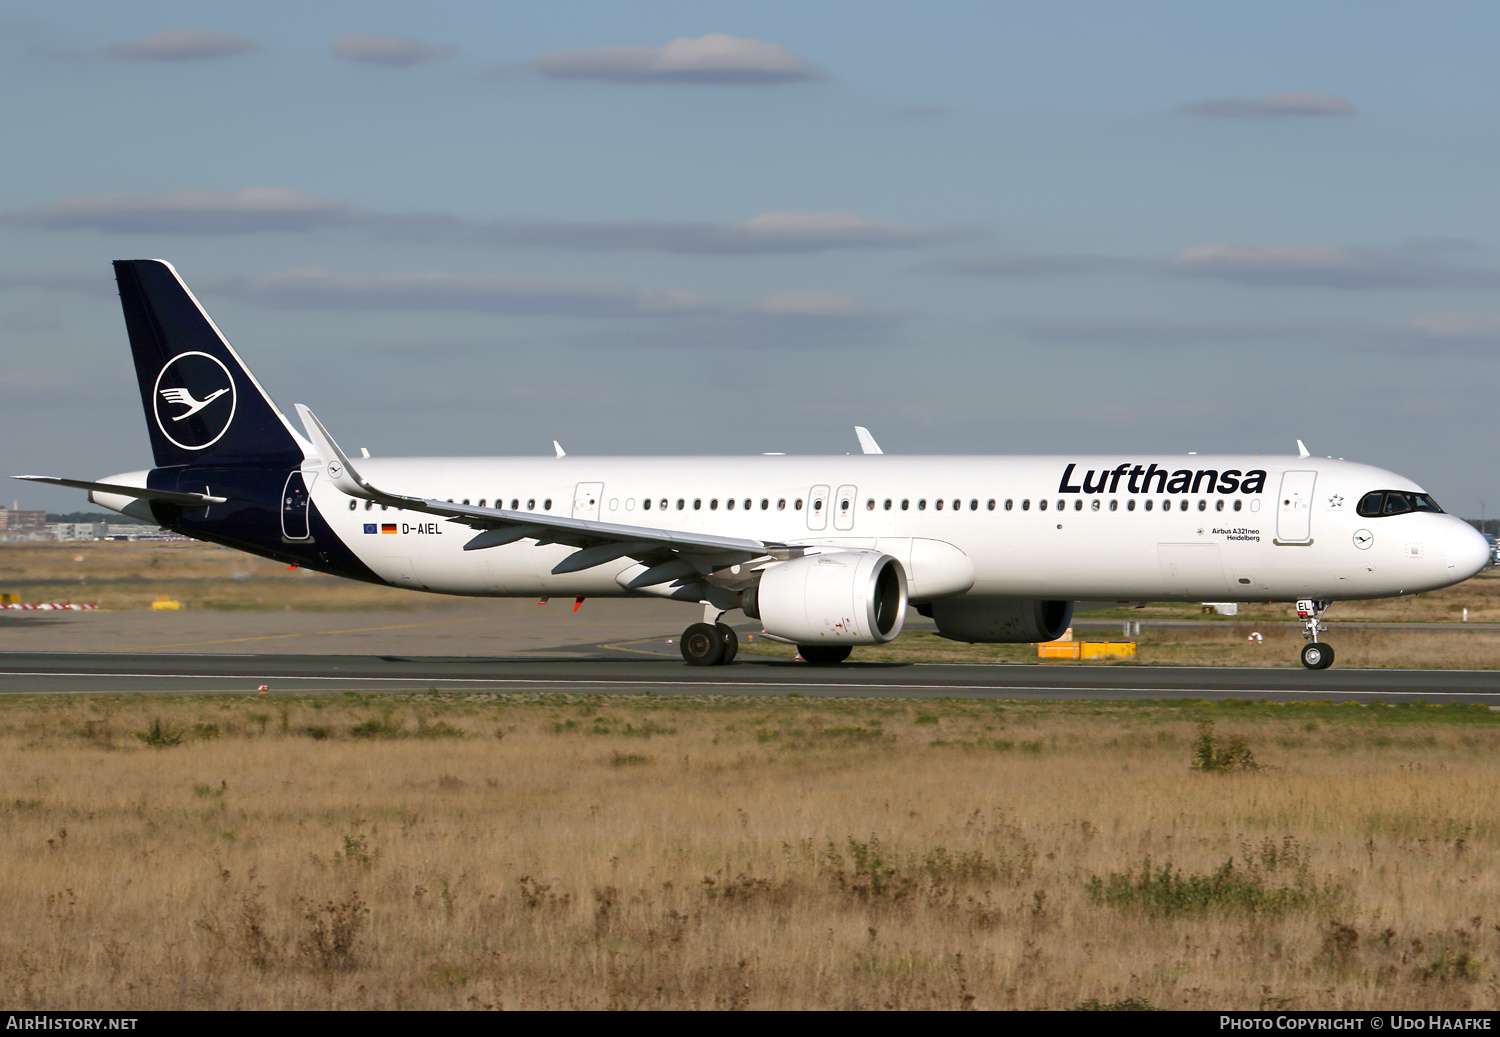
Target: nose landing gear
x=1316 y=655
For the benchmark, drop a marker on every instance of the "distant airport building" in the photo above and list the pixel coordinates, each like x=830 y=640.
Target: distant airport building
x=16 y=524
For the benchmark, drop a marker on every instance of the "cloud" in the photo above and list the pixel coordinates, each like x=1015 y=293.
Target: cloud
x=399 y=51
x=187 y=212
x=100 y=282
x=1152 y=331
x=496 y=293
x=1289 y=102
x=260 y=209
x=1457 y=329
x=1330 y=266
x=1415 y=265
x=810 y=304
x=182 y=45
x=1040 y=265
x=770 y=232
x=713 y=59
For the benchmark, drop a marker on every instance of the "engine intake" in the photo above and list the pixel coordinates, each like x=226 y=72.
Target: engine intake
x=839 y=597
x=1001 y=622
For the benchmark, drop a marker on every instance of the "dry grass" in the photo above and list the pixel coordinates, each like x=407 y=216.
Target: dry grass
x=570 y=851
x=130 y=575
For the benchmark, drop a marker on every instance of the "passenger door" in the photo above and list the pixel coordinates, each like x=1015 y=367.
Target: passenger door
x=843 y=507
x=1294 y=508
x=294 y=508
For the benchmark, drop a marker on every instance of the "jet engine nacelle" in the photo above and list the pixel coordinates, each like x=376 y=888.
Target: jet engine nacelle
x=839 y=597
x=1001 y=622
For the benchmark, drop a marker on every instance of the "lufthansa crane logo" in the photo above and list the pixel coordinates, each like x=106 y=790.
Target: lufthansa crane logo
x=194 y=400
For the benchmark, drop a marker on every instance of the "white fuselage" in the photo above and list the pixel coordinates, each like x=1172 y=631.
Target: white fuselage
x=1051 y=533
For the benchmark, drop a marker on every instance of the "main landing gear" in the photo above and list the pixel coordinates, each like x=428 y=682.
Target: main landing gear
x=709 y=644
x=1316 y=655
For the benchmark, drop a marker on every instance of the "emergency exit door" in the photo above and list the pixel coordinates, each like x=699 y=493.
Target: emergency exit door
x=843 y=507
x=586 y=500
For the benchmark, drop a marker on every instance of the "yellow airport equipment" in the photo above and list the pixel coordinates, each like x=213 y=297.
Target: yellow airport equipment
x=1086 y=650
x=164 y=602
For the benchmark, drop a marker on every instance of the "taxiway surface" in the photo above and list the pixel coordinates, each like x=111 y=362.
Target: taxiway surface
x=608 y=647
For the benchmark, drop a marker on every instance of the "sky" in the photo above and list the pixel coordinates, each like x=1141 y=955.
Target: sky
x=711 y=228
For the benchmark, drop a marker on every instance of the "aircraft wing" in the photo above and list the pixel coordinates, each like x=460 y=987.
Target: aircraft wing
x=597 y=542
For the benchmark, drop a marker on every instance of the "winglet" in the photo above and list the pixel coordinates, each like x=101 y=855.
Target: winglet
x=1302 y=450
x=867 y=442
x=343 y=474
x=558 y=447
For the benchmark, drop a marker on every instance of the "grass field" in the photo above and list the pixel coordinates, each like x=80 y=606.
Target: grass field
x=130 y=575
x=485 y=851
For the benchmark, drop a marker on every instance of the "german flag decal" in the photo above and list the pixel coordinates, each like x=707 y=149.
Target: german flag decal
x=388 y=527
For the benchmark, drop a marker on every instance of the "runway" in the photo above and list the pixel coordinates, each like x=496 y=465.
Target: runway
x=611 y=647
x=608 y=669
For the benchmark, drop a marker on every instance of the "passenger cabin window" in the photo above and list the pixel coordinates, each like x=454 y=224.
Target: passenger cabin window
x=1238 y=505
x=974 y=505
x=938 y=504
x=1078 y=504
x=922 y=504
x=1130 y=504
x=906 y=504
x=1095 y=505
x=547 y=504
x=992 y=504
x=887 y=504
x=531 y=504
x=353 y=504
x=681 y=503
x=646 y=504
x=1148 y=504
x=870 y=504
x=797 y=504
x=698 y=504
x=1026 y=504
x=1009 y=503
x=1042 y=505
x=1114 y=505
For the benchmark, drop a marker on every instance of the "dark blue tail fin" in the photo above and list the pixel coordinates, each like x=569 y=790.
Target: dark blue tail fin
x=203 y=406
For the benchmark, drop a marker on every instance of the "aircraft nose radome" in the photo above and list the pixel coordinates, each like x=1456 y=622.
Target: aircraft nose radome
x=1468 y=551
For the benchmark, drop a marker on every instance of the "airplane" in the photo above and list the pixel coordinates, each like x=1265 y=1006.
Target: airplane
x=825 y=552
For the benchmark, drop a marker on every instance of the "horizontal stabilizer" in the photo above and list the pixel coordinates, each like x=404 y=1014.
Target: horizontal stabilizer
x=186 y=500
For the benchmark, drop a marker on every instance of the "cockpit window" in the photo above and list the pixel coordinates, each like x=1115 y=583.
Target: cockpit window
x=1395 y=502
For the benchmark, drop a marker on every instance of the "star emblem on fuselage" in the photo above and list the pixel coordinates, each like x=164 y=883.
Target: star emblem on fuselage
x=1336 y=501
